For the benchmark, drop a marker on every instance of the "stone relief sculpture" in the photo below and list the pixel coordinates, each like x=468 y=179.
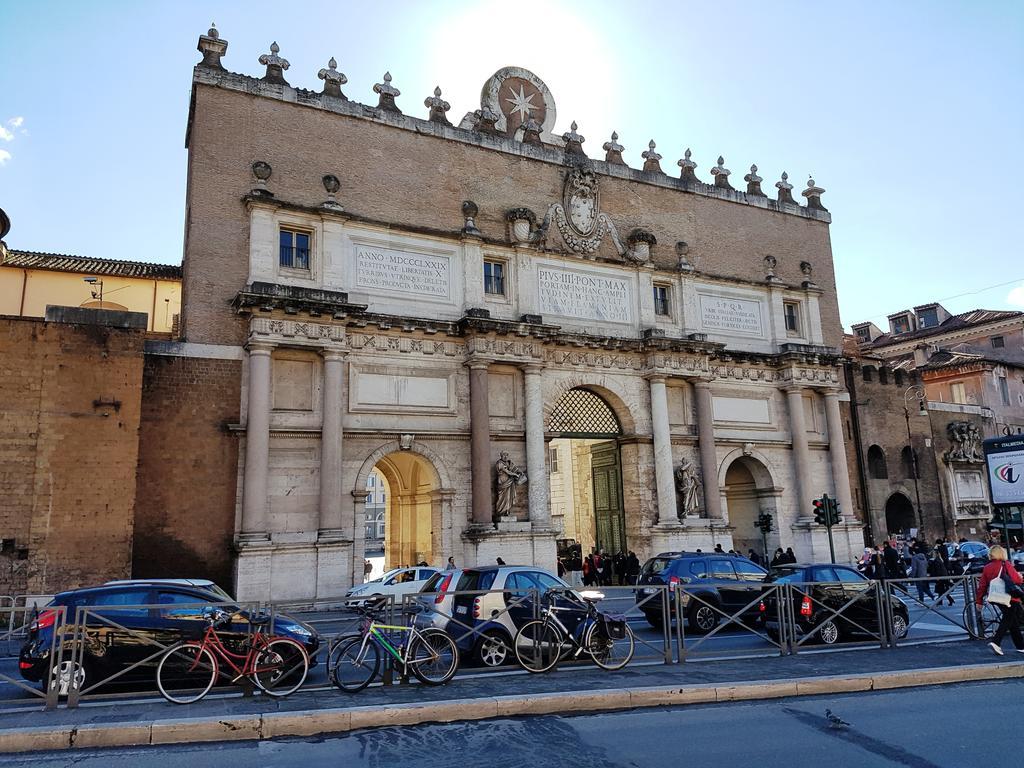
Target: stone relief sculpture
x=966 y=439
x=510 y=477
x=578 y=217
x=688 y=485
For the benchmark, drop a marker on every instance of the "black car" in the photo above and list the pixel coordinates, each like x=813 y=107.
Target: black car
x=828 y=588
x=730 y=583
x=110 y=649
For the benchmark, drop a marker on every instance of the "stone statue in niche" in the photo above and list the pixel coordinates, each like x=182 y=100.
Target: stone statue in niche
x=966 y=439
x=688 y=485
x=510 y=477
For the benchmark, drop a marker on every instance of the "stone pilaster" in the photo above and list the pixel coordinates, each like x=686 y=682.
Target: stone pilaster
x=257 y=445
x=536 y=464
x=331 y=446
x=667 y=509
x=801 y=453
x=480 y=442
x=837 y=453
x=706 y=445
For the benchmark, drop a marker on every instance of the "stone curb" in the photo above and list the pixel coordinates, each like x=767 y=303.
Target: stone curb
x=315 y=722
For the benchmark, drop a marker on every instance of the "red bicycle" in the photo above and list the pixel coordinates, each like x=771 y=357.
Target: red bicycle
x=188 y=670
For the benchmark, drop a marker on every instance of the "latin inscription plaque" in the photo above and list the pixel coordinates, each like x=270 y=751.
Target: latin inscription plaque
x=731 y=316
x=390 y=270
x=590 y=296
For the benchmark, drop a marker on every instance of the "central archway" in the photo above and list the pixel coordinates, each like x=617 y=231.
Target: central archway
x=899 y=515
x=585 y=470
x=411 y=482
x=749 y=491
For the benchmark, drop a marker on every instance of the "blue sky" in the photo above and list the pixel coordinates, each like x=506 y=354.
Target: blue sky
x=908 y=113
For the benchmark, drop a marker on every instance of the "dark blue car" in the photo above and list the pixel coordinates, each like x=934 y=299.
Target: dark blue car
x=134 y=635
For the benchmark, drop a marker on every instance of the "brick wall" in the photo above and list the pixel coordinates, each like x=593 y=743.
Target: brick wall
x=188 y=462
x=69 y=421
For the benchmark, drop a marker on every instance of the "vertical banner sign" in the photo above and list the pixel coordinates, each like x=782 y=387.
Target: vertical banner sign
x=1004 y=457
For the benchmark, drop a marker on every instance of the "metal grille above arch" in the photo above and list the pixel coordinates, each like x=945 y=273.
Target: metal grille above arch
x=582 y=413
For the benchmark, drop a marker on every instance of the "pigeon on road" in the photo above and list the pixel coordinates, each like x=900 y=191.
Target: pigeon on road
x=835 y=721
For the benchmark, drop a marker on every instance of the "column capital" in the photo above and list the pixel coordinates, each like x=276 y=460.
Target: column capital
x=333 y=354
x=700 y=383
x=791 y=388
x=475 y=362
x=360 y=496
x=532 y=368
x=654 y=376
x=260 y=347
x=829 y=392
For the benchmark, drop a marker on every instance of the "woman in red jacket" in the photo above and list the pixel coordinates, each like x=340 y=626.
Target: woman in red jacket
x=999 y=568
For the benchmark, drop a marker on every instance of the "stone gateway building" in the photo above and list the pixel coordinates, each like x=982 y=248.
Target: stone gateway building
x=527 y=342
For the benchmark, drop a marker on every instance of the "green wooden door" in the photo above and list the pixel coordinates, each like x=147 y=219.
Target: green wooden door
x=609 y=516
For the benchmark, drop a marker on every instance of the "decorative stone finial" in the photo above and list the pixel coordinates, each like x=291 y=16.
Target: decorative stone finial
x=521 y=221
x=469 y=211
x=613 y=150
x=531 y=132
x=212 y=48
x=721 y=174
x=333 y=80
x=275 y=65
x=573 y=141
x=688 y=167
x=388 y=93
x=332 y=185
x=640 y=242
x=807 y=270
x=262 y=171
x=682 y=251
x=754 y=182
x=813 y=194
x=652 y=160
x=437 y=107
x=484 y=120
x=785 y=189
x=770 y=262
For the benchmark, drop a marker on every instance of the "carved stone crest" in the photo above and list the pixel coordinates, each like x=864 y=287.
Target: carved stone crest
x=515 y=96
x=966 y=439
x=578 y=217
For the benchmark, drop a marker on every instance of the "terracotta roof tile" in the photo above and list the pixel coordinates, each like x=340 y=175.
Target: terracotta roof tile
x=85 y=265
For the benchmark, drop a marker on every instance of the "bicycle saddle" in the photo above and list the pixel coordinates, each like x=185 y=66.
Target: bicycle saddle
x=260 y=620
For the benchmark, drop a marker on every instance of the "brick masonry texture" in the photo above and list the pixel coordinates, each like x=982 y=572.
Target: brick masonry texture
x=185 y=513
x=69 y=422
x=395 y=175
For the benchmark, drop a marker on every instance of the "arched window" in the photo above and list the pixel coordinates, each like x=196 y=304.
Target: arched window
x=876 y=464
x=907 y=460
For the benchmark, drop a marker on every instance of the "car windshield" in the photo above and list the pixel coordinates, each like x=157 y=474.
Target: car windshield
x=386 y=575
x=216 y=591
x=656 y=565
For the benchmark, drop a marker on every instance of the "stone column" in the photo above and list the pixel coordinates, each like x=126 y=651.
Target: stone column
x=837 y=453
x=257 y=444
x=536 y=464
x=330 y=446
x=668 y=512
x=480 y=443
x=801 y=453
x=706 y=444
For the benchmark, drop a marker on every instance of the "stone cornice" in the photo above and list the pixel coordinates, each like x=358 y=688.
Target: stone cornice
x=554 y=155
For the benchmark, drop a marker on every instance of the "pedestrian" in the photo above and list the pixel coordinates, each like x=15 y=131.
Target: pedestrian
x=753 y=557
x=892 y=561
x=919 y=570
x=790 y=557
x=937 y=567
x=588 y=570
x=367 y=569
x=607 y=569
x=620 y=567
x=633 y=567
x=719 y=550
x=560 y=564
x=576 y=568
x=499 y=561
x=779 y=558
x=1000 y=585
x=450 y=566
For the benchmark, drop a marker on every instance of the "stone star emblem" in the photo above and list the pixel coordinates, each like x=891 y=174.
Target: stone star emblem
x=521 y=103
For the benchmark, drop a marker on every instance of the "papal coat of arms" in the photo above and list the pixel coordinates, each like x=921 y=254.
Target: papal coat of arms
x=580 y=200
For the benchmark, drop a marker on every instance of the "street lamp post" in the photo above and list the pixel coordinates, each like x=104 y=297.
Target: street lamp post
x=918 y=392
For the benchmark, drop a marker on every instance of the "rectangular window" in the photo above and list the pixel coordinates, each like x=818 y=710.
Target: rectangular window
x=553 y=460
x=900 y=325
x=998 y=342
x=928 y=318
x=1004 y=390
x=494 y=278
x=294 y=249
x=662 y=305
x=792 y=312
x=957 y=394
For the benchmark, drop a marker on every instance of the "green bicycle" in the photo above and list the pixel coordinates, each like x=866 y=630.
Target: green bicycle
x=430 y=654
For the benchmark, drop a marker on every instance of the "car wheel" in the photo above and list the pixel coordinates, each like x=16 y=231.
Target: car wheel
x=69 y=674
x=701 y=618
x=654 y=619
x=493 y=650
x=828 y=632
x=900 y=626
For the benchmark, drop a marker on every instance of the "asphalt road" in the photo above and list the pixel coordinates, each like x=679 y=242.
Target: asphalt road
x=947 y=727
x=926 y=625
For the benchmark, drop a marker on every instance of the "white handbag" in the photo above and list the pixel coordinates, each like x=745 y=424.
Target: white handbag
x=997 y=592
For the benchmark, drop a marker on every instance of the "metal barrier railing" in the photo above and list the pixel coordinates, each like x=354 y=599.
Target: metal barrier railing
x=835 y=613
x=50 y=654
x=707 y=615
x=948 y=589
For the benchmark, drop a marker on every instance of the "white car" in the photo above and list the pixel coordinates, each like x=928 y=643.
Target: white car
x=397 y=582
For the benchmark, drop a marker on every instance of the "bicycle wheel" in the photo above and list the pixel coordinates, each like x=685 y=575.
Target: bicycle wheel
x=186 y=673
x=281 y=667
x=981 y=622
x=433 y=657
x=608 y=652
x=354 y=666
x=538 y=646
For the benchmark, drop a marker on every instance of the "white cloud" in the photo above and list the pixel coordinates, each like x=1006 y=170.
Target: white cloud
x=16 y=122
x=4 y=156
x=1015 y=297
x=5 y=134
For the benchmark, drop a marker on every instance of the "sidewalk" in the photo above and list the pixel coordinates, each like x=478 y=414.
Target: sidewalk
x=568 y=690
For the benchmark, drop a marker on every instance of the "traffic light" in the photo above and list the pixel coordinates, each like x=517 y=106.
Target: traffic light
x=833 y=512
x=820 y=512
x=764 y=522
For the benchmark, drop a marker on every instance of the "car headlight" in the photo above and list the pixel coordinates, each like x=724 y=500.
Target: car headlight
x=297 y=629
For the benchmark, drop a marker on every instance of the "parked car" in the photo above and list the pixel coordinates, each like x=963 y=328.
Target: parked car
x=967 y=550
x=830 y=588
x=483 y=625
x=133 y=634
x=397 y=582
x=722 y=581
